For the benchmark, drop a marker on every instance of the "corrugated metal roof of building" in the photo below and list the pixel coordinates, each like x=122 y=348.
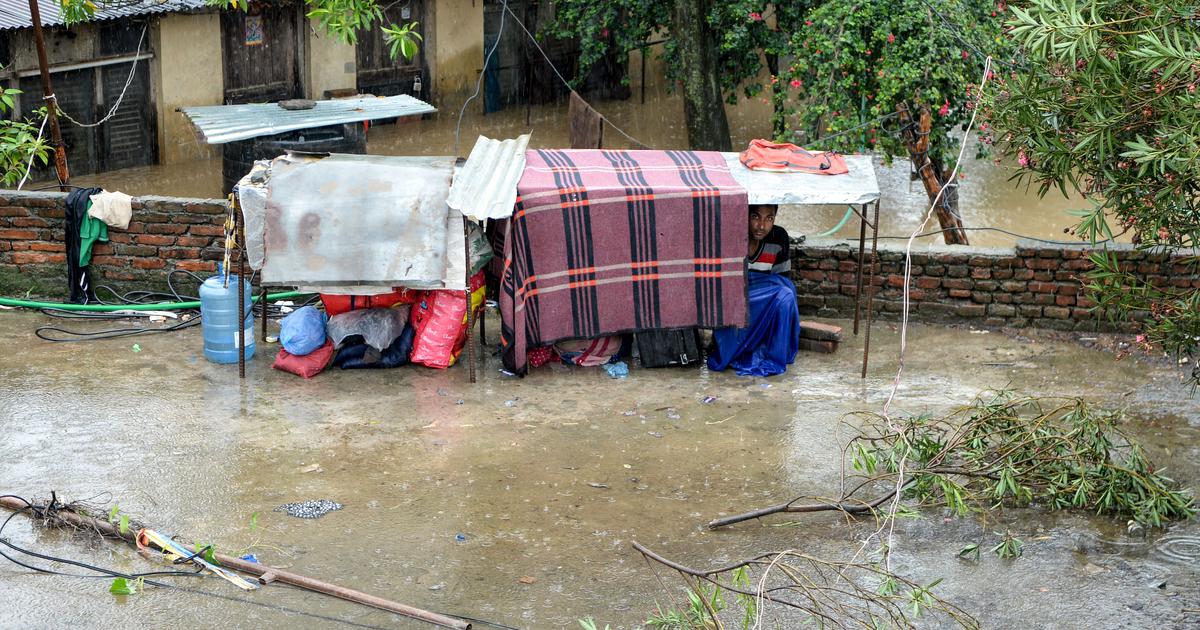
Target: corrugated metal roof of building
x=226 y=123
x=15 y=13
x=485 y=187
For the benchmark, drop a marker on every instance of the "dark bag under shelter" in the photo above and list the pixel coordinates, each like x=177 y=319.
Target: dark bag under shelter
x=664 y=348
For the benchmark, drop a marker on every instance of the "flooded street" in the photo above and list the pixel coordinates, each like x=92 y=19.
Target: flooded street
x=515 y=500
x=987 y=198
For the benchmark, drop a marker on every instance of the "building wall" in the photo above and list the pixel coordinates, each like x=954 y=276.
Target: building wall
x=331 y=64
x=456 y=47
x=187 y=71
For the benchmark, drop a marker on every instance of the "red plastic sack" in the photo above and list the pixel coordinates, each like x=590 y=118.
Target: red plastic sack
x=338 y=304
x=308 y=365
x=440 y=322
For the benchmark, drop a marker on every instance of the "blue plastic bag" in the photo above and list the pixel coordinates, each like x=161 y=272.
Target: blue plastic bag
x=768 y=344
x=303 y=331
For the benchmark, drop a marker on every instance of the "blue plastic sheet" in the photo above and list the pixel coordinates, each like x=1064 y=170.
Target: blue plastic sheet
x=302 y=331
x=769 y=343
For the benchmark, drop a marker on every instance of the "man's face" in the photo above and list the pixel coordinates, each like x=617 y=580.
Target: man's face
x=762 y=219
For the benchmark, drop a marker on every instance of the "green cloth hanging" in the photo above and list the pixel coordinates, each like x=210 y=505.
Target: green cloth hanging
x=91 y=230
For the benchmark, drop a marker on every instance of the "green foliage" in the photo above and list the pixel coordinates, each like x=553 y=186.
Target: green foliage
x=1107 y=107
x=341 y=18
x=852 y=62
x=703 y=603
x=1009 y=546
x=587 y=623
x=121 y=586
x=1011 y=450
x=19 y=141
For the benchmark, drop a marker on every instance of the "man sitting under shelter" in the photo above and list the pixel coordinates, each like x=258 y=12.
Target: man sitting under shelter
x=769 y=341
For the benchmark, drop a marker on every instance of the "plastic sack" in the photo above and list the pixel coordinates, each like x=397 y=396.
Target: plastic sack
x=308 y=365
x=591 y=352
x=379 y=327
x=440 y=324
x=358 y=356
x=480 y=250
x=302 y=331
x=768 y=344
x=338 y=304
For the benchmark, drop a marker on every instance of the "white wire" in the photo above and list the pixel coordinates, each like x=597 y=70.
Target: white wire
x=33 y=154
x=113 y=111
x=479 y=81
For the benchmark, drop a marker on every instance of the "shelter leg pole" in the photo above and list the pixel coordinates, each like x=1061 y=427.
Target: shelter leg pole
x=871 y=286
x=263 y=300
x=237 y=239
x=470 y=311
x=862 y=241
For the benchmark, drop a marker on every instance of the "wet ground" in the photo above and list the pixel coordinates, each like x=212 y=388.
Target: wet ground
x=987 y=198
x=516 y=500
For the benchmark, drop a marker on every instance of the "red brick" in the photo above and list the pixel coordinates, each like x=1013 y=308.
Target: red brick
x=1064 y=300
x=17 y=245
x=196 y=265
x=18 y=235
x=960 y=293
x=1041 y=287
x=1083 y=302
x=137 y=250
x=155 y=239
x=981 y=273
x=1068 y=289
x=218 y=230
x=153 y=217
x=51 y=213
x=30 y=222
x=121 y=237
x=13 y=211
x=165 y=228
x=110 y=261
x=814 y=276
x=928 y=283
x=148 y=263
x=180 y=252
x=206 y=208
x=42 y=246
x=814 y=345
x=37 y=258
x=819 y=331
x=1080 y=313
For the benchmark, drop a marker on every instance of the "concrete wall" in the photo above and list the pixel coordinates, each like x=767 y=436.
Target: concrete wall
x=187 y=70
x=331 y=64
x=455 y=48
x=1032 y=284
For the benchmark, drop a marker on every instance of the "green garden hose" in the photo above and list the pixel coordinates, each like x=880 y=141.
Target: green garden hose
x=840 y=225
x=108 y=308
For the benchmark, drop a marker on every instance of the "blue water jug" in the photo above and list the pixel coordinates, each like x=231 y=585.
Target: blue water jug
x=219 y=320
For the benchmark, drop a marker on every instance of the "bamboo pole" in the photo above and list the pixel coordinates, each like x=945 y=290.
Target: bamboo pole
x=263 y=572
x=930 y=173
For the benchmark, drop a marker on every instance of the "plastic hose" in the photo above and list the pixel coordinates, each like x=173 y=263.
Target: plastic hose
x=840 y=225
x=108 y=308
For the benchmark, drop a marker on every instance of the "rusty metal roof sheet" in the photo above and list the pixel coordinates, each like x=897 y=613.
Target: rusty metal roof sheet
x=486 y=186
x=219 y=124
x=15 y=13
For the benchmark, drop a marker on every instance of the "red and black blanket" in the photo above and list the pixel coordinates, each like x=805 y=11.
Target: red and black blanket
x=605 y=242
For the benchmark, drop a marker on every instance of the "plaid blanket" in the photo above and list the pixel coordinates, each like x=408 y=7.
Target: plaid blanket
x=606 y=242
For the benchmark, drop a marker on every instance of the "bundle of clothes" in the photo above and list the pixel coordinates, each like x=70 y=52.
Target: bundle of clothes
x=356 y=332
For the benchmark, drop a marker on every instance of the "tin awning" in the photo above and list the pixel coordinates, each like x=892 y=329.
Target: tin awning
x=219 y=124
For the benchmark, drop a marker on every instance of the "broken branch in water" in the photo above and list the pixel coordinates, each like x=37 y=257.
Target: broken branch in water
x=54 y=514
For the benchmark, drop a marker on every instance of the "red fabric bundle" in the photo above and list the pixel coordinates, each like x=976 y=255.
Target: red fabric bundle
x=308 y=365
x=338 y=304
x=440 y=323
x=763 y=155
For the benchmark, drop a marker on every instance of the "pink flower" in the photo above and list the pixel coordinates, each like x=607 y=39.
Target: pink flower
x=945 y=109
x=1141 y=338
x=755 y=16
x=891 y=38
x=796 y=83
x=1022 y=159
x=965 y=54
x=808 y=22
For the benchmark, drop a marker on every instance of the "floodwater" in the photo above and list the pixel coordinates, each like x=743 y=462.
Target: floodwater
x=987 y=198
x=516 y=500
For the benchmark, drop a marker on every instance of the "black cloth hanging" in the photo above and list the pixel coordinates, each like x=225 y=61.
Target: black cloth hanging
x=79 y=280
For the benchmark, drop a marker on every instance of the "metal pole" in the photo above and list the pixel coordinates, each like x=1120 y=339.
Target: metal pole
x=470 y=314
x=263 y=300
x=60 y=150
x=871 y=285
x=237 y=239
x=862 y=240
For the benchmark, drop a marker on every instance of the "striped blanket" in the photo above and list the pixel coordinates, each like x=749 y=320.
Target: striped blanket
x=605 y=242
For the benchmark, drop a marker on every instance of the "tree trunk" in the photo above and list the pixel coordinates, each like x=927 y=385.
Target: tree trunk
x=932 y=176
x=703 y=106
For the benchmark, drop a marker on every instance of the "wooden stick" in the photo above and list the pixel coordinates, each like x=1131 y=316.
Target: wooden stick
x=259 y=570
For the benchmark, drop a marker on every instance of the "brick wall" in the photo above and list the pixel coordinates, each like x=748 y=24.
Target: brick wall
x=1031 y=284
x=165 y=233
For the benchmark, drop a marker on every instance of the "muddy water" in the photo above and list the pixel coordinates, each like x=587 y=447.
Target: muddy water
x=988 y=199
x=456 y=495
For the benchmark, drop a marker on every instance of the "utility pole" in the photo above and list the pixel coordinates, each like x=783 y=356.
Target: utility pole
x=60 y=151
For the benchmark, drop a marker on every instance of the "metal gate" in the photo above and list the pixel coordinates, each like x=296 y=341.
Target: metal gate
x=262 y=51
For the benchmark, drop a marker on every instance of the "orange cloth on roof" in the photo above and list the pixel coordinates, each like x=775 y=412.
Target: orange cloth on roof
x=763 y=155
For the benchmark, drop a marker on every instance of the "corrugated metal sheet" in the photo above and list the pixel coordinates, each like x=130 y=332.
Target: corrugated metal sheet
x=15 y=13
x=486 y=186
x=226 y=123
x=857 y=187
